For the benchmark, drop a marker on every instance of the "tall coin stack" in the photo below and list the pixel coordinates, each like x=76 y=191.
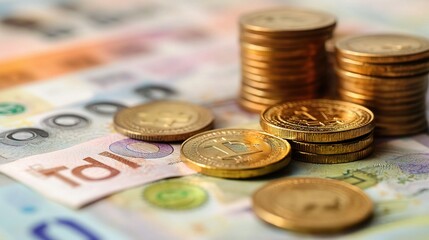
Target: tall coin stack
x=283 y=55
x=387 y=73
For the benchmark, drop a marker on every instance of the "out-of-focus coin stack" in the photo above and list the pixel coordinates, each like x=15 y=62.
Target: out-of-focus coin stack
x=321 y=130
x=283 y=55
x=387 y=73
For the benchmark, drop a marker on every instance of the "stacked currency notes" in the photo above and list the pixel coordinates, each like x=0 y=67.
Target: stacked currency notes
x=283 y=55
x=389 y=74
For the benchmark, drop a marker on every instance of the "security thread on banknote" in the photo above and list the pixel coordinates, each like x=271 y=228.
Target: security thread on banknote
x=163 y=121
x=321 y=130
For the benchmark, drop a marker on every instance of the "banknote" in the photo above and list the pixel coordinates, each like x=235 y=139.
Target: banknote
x=86 y=172
x=202 y=207
x=37 y=218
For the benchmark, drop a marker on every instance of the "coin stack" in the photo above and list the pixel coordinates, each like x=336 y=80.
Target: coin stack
x=387 y=73
x=283 y=55
x=322 y=130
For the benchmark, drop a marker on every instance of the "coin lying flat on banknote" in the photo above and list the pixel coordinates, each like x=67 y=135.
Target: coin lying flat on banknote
x=163 y=121
x=235 y=153
x=314 y=205
x=317 y=120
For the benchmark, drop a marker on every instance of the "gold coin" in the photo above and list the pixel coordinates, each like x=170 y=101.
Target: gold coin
x=365 y=87
x=235 y=153
x=282 y=42
x=347 y=146
x=296 y=63
x=315 y=205
x=394 y=131
x=281 y=77
x=400 y=119
x=277 y=84
x=374 y=100
x=258 y=49
x=331 y=158
x=282 y=20
x=383 y=48
x=276 y=99
x=252 y=106
x=398 y=93
x=301 y=55
x=317 y=120
x=163 y=121
x=309 y=90
x=285 y=71
x=393 y=70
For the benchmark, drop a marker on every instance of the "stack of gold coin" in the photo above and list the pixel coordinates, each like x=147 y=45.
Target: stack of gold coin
x=235 y=153
x=163 y=121
x=322 y=130
x=388 y=74
x=314 y=205
x=283 y=55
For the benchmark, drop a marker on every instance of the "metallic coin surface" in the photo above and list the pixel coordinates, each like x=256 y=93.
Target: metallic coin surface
x=286 y=19
x=348 y=146
x=317 y=120
x=163 y=121
x=384 y=48
x=332 y=158
x=314 y=205
x=235 y=153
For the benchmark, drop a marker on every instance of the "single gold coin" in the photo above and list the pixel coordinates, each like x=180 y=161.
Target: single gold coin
x=400 y=119
x=317 y=120
x=348 y=146
x=385 y=70
x=383 y=48
x=282 y=42
x=276 y=99
x=251 y=106
x=282 y=20
x=281 y=77
x=278 y=84
x=365 y=87
x=235 y=153
x=314 y=205
x=375 y=100
x=332 y=158
x=377 y=92
x=163 y=121
x=279 y=92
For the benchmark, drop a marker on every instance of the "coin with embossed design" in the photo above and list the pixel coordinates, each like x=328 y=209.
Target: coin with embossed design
x=383 y=48
x=163 y=121
x=318 y=120
x=235 y=153
x=315 y=205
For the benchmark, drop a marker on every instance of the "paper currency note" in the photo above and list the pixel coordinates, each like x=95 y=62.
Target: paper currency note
x=202 y=207
x=37 y=218
x=81 y=174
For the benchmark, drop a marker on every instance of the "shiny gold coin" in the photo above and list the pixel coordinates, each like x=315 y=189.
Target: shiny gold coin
x=400 y=119
x=296 y=63
x=347 y=146
x=282 y=20
x=314 y=205
x=318 y=120
x=392 y=70
x=380 y=82
x=285 y=71
x=252 y=106
x=398 y=93
x=258 y=49
x=276 y=99
x=309 y=90
x=295 y=86
x=163 y=121
x=235 y=153
x=374 y=100
x=332 y=158
x=384 y=48
x=396 y=130
x=363 y=87
x=282 y=42
x=297 y=55
x=281 y=77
